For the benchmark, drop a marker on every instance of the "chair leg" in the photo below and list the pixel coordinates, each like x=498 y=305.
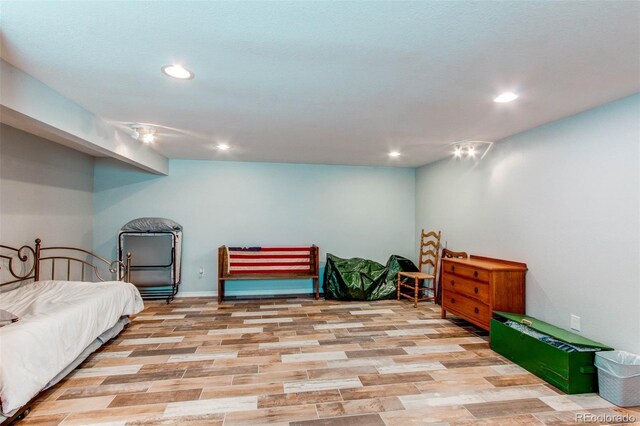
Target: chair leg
x=435 y=290
x=398 y=285
x=415 y=293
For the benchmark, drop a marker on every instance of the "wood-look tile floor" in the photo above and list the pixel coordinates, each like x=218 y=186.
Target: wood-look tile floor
x=304 y=362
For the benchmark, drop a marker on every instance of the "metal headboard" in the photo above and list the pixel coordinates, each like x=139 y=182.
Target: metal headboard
x=40 y=263
x=19 y=262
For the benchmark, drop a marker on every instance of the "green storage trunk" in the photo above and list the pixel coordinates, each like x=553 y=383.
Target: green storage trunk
x=571 y=372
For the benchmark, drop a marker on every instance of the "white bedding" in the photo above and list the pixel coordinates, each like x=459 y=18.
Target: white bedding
x=58 y=319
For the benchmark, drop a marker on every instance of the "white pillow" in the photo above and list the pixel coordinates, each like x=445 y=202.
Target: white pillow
x=7 y=318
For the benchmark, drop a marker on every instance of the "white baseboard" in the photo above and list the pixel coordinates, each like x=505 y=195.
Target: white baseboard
x=270 y=292
x=197 y=294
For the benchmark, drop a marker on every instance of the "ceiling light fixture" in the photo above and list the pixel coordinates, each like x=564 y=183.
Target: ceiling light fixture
x=471 y=149
x=394 y=154
x=177 y=71
x=223 y=146
x=505 y=97
x=148 y=138
x=142 y=133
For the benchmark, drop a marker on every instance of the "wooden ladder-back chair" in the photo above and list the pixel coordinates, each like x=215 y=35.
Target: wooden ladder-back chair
x=448 y=254
x=429 y=256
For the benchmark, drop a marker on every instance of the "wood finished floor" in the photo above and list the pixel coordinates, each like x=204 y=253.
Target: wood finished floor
x=303 y=362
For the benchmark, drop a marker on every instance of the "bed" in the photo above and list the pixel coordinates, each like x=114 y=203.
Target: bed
x=68 y=302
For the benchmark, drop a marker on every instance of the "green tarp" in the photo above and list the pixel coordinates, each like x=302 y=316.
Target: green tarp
x=362 y=279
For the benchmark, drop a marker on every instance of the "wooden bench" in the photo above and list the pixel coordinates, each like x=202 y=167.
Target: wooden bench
x=267 y=263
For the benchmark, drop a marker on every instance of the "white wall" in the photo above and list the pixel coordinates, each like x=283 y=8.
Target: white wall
x=347 y=211
x=45 y=191
x=565 y=199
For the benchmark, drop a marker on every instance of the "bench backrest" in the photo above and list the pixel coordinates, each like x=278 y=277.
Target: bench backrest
x=268 y=261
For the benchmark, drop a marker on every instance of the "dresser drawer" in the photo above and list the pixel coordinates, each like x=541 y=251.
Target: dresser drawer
x=475 y=289
x=467 y=271
x=466 y=306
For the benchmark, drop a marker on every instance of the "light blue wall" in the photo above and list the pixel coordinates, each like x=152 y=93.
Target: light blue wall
x=565 y=199
x=347 y=211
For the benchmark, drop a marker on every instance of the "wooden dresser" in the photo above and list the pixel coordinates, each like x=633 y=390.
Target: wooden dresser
x=475 y=287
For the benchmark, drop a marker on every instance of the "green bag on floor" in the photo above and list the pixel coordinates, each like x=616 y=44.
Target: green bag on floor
x=362 y=279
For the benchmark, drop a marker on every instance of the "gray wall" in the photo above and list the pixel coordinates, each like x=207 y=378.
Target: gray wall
x=45 y=191
x=347 y=211
x=565 y=199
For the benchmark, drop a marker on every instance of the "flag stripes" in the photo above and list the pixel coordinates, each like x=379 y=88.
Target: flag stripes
x=269 y=260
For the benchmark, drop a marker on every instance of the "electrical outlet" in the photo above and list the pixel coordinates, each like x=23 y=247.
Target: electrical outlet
x=575 y=322
x=201 y=272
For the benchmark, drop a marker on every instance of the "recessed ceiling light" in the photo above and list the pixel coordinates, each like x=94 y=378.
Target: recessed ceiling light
x=177 y=71
x=505 y=97
x=223 y=146
x=394 y=154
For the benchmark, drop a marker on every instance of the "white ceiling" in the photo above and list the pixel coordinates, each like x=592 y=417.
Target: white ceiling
x=328 y=82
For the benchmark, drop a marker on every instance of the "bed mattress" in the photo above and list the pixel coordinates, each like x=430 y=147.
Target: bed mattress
x=58 y=320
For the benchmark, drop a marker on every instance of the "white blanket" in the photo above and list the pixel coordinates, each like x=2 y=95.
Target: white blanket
x=58 y=320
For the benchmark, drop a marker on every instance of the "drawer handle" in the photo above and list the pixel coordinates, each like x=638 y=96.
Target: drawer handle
x=476 y=310
x=453 y=300
x=475 y=274
x=475 y=290
x=453 y=268
x=453 y=283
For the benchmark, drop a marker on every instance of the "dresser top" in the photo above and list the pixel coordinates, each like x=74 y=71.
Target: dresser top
x=489 y=263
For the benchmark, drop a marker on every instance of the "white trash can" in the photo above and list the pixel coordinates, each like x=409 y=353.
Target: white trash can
x=619 y=377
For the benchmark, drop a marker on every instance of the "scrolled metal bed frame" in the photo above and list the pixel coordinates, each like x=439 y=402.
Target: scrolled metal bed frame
x=26 y=263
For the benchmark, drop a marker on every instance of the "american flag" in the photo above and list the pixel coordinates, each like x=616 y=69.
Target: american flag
x=269 y=260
